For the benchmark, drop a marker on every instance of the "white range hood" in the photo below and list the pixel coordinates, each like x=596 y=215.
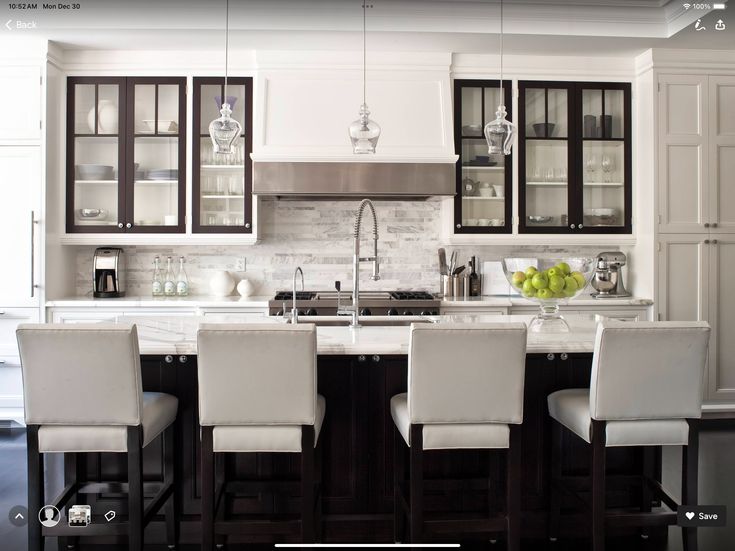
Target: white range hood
x=305 y=102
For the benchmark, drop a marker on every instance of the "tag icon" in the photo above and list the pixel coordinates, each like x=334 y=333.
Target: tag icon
x=109 y=515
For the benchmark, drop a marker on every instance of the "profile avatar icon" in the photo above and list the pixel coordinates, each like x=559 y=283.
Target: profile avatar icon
x=49 y=516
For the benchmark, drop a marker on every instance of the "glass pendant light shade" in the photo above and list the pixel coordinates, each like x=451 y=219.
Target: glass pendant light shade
x=500 y=133
x=224 y=131
x=364 y=133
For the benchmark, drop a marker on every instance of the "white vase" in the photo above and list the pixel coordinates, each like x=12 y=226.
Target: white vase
x=221 y=284
x=106 y=117
x=245 y=288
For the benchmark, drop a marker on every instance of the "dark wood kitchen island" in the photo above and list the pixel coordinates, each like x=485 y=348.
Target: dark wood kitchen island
x=358 y=373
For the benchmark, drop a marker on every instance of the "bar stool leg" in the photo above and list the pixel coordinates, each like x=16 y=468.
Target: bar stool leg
x=169 y=467
x=72 y=475
x=417 y=483
x=307 y=484
x=598 y=485
x=208 y=472
x=513 y=489
x=135 y=489
x=556 y=473
x=35 y=489
x=399 y=471
x=689 y=483
x=647 y=474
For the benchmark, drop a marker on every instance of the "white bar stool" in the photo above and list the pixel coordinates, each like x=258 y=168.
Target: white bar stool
x=465 y=391
x=646 y=390
x=83 y=394
x=257 y=393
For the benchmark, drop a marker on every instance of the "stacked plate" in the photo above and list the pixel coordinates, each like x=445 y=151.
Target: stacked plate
x=163 y=174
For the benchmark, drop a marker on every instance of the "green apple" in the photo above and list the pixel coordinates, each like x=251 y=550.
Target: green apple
x=540 y=281
x=564 y=267
x=545 y=294
x=556 y=283
x=580 y=279
x=555 y=271
x=570 y=286
x=560 y=294
x=518 y=279
x=530 y=271
x=528 y=287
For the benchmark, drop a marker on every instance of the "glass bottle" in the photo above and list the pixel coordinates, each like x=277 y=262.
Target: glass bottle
x=169 y=285
x=475 y=281
x=182 y=281
x=157 y=283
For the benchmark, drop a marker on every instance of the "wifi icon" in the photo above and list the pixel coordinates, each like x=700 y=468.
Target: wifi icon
x=687 y=6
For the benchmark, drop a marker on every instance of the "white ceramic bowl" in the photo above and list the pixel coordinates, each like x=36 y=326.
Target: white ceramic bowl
x=486 y=192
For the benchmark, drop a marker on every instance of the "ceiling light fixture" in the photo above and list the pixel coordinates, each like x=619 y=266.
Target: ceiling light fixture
x=364 y=133
x=225 y=130
x=500 y=133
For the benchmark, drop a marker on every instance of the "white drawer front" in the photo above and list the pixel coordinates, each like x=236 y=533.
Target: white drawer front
x=11 y=387
x=10 y=318
x=83 y=316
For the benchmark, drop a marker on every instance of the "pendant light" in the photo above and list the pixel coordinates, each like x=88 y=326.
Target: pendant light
x=225 y=130
x=364 y=133
x=500 y=133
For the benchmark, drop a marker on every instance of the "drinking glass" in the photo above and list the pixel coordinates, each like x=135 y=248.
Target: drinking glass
x=590 y=166
x=607 y=166
x=549 y=174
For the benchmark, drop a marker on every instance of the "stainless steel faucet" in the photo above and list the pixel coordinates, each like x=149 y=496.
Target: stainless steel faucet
x=354 y=310
x=294 y=310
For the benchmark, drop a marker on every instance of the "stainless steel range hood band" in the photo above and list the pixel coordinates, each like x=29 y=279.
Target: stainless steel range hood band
x=319 y=179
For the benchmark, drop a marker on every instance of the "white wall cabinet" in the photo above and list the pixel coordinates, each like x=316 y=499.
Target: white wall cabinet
x=721 y=316
x=20 y=104
x=20 y=203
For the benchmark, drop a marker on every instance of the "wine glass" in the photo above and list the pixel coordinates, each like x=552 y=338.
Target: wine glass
x=590 y=166
x=607 y=166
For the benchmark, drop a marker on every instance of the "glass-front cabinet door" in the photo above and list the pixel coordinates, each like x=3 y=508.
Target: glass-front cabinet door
x=156 y=155
x=605 y=196
x=126 y=153
x=574 y=157
x=484 y=200
x=222 y=184
x=545 y=155
x=96 y=153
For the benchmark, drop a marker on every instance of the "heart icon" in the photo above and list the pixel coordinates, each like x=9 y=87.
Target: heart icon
x=689 y=515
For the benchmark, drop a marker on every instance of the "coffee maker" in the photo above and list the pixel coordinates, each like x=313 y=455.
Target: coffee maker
x=108 y=273
x=608 y=277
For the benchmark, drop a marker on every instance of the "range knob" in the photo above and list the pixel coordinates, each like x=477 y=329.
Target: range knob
x=365 y=312
x=425 y=312
x=392 y=312
x=301 y=313
x=407 y=313
x=279 y=313
x=311 y=312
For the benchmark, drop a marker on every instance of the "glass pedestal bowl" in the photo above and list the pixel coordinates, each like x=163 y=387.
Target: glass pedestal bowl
x=549 y=281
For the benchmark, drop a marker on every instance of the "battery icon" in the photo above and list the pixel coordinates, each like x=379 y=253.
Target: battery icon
x=719 y=6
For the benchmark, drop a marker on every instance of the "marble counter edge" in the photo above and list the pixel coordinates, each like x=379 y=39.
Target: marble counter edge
x=259 y=301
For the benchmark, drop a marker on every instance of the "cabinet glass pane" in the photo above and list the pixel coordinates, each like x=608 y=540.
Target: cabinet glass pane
x=96 y=181
x=156 y=181
x=106 y=111
x=211 y=103
x=558 y=114
x=168 y=108
x=147 y=107
x=471 y=111
x=535 y=111
x=492 y=100
x=604 y=184
x=546 y=183
x=614 y=113
x=546 y=113
x=483 y=185
x=222 y=186
x=592 y=114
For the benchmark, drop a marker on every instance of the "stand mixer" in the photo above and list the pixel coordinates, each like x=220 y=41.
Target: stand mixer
x=608 y=277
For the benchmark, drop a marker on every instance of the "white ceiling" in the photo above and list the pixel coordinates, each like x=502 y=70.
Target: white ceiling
x=558 y=27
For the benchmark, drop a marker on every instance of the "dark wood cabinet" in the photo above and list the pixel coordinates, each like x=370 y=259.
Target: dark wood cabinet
x=484 y=200
x=574 y=157
x=126 y=155
x=222 y=200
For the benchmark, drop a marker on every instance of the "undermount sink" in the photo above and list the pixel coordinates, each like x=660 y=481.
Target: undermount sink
x=378 y=321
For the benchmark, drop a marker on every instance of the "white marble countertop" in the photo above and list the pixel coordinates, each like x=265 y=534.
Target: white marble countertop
x=148 y=301
x=177 y=334
x=510 y=301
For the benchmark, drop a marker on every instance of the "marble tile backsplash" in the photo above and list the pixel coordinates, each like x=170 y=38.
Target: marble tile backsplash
x=316 y=235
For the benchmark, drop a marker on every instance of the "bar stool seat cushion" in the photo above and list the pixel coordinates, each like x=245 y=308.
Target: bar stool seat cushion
x=571 y=408
x=158 y=412
x=447 y=436
x=266 y=438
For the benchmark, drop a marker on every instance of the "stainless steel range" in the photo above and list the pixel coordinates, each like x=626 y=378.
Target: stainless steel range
x=372 y=303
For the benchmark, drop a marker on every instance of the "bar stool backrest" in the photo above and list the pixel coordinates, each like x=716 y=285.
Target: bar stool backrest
x=80 y=374
x=257 y=374
x=461 y=373
x=648 y=370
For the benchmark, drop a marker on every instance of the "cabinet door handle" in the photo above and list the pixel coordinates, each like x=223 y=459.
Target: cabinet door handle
x=459 y=226
x=128 y=225
x=169 y=359
x=706 y=224
x=581 y=226
x=120 y=225
x=247 y=225
x=714 y=224
x=706 y=241
x=714 y=241
x=376 y=358
x=573 y=226
x=564 y=356
x=550 y=357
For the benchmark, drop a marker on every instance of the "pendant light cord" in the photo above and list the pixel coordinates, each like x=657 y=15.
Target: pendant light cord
x=227 y=45
x=364 y=54
x=502 y=90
